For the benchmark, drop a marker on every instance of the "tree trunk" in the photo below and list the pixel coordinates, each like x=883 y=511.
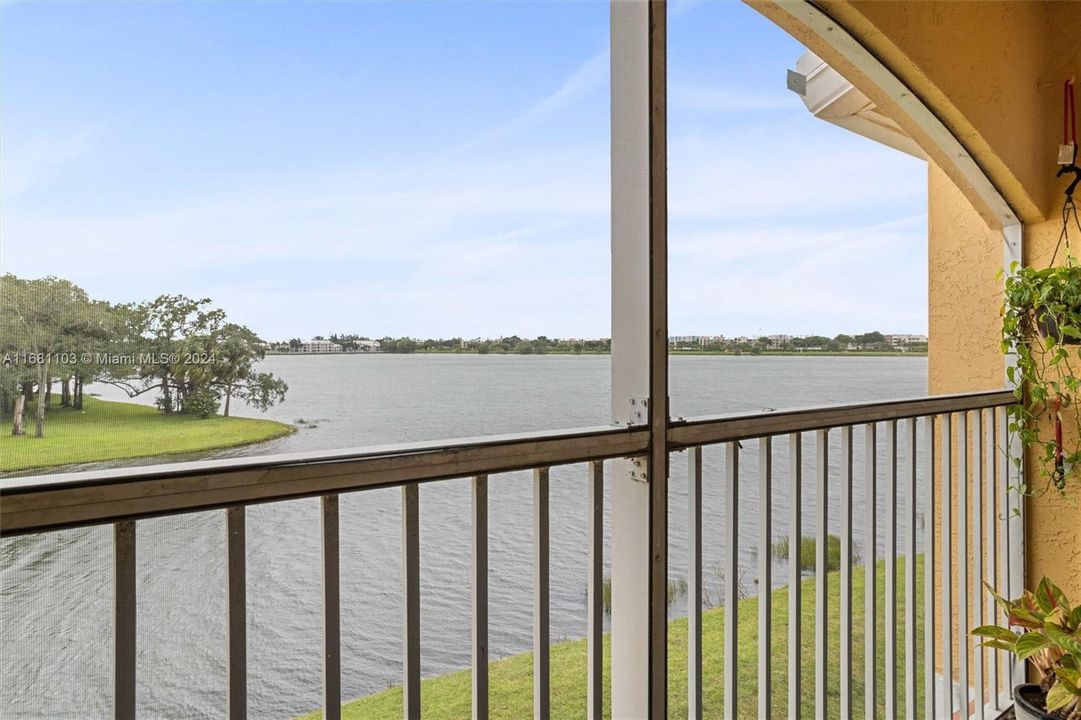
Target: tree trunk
x=228 y=397
x=65 y=391
x=167 y=401
x=17 y=418
x=43 y=389
x=48 y=390
x=78 y=391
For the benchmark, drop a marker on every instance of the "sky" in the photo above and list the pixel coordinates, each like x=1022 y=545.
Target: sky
x=434 y=169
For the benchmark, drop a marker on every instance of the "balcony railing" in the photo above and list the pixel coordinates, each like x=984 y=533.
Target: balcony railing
x=931 y=473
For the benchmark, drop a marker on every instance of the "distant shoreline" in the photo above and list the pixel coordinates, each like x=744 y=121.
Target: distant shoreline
x=763 y=353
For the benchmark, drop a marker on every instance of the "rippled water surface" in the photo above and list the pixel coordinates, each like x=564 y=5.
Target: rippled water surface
x=57 y=592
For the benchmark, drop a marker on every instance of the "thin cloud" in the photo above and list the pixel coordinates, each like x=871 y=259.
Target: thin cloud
x=590 y=77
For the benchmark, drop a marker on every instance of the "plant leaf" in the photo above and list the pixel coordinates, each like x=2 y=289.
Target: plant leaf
x=1031 y=643
x=1071 y=677
x=997 y=645
x=1058 y=697
x=997 y=632
x=1069 y=643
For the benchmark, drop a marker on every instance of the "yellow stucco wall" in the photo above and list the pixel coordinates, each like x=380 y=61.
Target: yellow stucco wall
x=964 y=296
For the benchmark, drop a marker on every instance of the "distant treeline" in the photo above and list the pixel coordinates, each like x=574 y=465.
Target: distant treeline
x=866 y=342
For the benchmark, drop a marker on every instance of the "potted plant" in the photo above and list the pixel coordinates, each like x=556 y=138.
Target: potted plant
x=1041 y=323
x=1050 y=639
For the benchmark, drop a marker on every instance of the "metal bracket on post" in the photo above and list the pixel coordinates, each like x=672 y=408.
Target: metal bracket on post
x=639 y=471
x=639 y=411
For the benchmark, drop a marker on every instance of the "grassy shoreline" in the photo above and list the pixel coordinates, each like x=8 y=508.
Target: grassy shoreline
x=106 y=430
x=447 y=697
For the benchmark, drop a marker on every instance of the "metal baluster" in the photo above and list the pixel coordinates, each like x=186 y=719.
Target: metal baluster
x=870 y=571
x=765 y=577
x=236 y=646
x=795 y=579
x=1015 y=541
x=541 y=673
x=124 y=620
x=1003 y=494
x=411 y=601
x=332 y=635
x=694 y=586
x=977 y=558
x=846 y=572
x=962 y=562
x=731 y=580
x=910 y=471
x=595 y=592
x=890 y=584
x=929 y=569
x=480 y=598
x=946 y=567
x=821 y=576
x=993 y=548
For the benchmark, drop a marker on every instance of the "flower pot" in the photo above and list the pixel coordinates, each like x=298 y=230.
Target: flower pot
x=1047 y=324
x=1029 y=703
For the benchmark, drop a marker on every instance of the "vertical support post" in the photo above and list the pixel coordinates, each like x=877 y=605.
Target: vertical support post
x=542 y=696
x=639 y=355
x=332 y=627
x=595 y=594
x=411 y=601
x=822 y=442
x=694 y=584
x=765 y=578
x=236 y=648
x=480 y=597
x=124 y=619
x=795 y=577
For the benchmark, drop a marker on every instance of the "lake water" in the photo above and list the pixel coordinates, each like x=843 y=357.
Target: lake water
x=56 y=587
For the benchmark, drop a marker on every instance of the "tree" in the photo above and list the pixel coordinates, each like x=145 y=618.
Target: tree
x=235 y=351
x=42 y=319
x=187 y=351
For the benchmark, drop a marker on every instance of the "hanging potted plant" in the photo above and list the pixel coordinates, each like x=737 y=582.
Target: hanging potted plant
x=1041 y=324
x=1050 y=640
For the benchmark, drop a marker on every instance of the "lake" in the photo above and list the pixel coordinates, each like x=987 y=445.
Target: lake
x=56 y=587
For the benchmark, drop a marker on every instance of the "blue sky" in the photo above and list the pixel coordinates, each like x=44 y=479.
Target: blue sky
x=434 y=169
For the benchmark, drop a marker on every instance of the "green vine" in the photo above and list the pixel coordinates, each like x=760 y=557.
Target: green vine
x=1041 y=323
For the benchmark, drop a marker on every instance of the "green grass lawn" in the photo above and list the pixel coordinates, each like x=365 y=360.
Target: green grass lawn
x=447 y=697
x=111 y=430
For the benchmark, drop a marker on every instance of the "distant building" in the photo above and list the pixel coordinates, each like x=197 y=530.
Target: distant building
x=903 y=342
x=320 y=346
x=777 y=342
x=368 y=345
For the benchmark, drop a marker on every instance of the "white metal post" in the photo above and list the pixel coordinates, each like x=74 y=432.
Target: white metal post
x=639 y=357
